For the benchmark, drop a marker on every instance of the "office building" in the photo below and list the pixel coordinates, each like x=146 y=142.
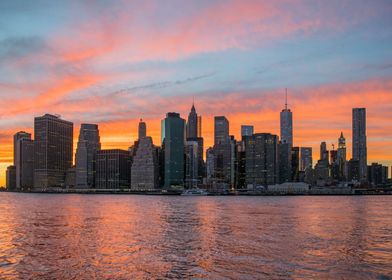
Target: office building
x=222 y=150
x=324 y=153
x=359 y=148
x=284 y=163
x=145 y=166
x=286 y=126
x=10 y=178
x=172 y=136
x=88 y=144
x=112 y=169
x=24 y=161
x=342 y=157
x=306 y=158
x=295 y=164
x=261 y=156
x=191 y=164
x=247 y=130
x=192 y=124
x=53 y=148
x=210 y=164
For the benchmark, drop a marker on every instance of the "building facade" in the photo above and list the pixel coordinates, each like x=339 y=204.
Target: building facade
x=359 y=148
x=112 y=169
x=222 y=150
x=191 y=164
x=88 y=144
x=172 y=136
x=145 y=169
x=306 y=158
x=10 y=178
x=261 y=157
x=53 y=150
x=247 y=130
x=24 y=162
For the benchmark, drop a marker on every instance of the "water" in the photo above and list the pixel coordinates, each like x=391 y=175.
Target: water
x=49 y=236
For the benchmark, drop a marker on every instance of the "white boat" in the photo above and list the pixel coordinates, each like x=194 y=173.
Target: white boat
x=194 y=192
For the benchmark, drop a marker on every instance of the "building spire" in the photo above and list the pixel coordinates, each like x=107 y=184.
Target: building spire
x=285 y=104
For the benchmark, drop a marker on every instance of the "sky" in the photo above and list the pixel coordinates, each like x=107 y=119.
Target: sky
x=114 y=62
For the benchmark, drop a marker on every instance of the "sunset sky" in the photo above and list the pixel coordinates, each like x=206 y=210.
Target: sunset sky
x=113 y=62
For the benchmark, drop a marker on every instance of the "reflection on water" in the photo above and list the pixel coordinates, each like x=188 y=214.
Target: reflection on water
x=44 y=236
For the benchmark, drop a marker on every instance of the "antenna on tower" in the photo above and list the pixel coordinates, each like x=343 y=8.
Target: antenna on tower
x=285 y=104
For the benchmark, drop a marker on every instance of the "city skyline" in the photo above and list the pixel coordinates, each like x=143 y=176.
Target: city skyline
x=237 y=134
x=113 y=69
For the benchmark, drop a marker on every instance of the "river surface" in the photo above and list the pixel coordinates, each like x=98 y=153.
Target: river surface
x=69 y=236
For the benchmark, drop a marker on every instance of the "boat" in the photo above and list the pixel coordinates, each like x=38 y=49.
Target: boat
x=194 y=192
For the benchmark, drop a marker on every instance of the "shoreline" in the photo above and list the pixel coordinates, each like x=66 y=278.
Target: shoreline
x=323 y=192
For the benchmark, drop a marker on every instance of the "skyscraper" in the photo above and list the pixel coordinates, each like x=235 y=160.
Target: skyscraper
x=222 y=150
x=142 y=130
x=17 y=136
x=342 y=157
x=88 y=144
x=192 y=124
x=10 y=176
x=53 y=146
x=284 y=162
x=145 y=169
x=324 y=154
x=295 y=164
x=24 y=160
x=210 y=164
x=306 y=158
x=359 y=141
x=193 y=134
x=191 y=164
x=172 y=136
x=247 y=130
x=286 y=126
x=261 y=158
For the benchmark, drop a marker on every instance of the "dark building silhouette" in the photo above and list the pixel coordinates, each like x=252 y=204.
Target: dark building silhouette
x=261 y=156
x=240 y=178
x=10 y=178
x=191 y=164
x=53 y=147
x=295 y=168
x=284 y=162
x=193 y=134
x=247 y=130
x=142 y=130
x=342 y=157
x=112 y=169
x=88 y=144
x=377 y=174
x=222 y=150
x=172 y=136
x=359 y=141
x=306 y=158
x=192 y=124
x=145 y=165
x=286 y=126
x=353 y=170
x=24 y=160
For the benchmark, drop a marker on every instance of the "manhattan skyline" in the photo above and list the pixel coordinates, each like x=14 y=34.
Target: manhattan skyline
x=97 y=64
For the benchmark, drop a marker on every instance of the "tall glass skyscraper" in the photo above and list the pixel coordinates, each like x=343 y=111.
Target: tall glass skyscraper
x=286 y=126
x=359 y=141
x=172 y=136
x=88 y=144
x=222 y=150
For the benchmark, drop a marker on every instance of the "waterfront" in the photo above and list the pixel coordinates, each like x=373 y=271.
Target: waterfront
x=49 y=236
